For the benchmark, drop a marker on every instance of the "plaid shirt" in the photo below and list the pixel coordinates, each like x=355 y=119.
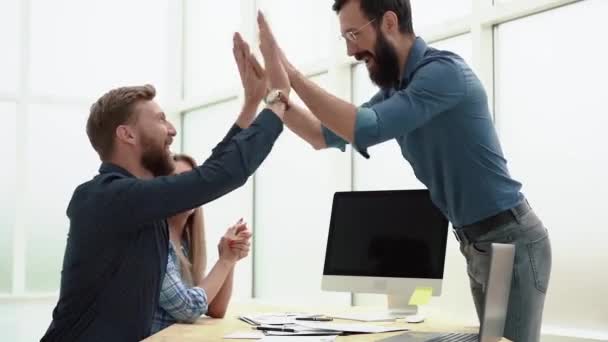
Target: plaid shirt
x=177 y=302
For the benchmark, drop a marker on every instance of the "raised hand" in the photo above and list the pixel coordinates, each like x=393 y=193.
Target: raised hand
x=253 y=76
x=277 y=74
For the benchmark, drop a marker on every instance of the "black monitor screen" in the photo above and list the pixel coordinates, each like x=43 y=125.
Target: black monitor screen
x=396 y=233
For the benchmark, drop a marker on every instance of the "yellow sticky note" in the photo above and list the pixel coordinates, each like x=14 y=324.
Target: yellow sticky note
x=421 y=296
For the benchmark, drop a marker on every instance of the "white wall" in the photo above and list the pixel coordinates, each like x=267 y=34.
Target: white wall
x=8 y=177
x=428 y=14
x=208 y=37
x=9 y=59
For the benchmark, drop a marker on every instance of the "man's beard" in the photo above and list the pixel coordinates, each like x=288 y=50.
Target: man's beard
x=156 y=160
x=385 y=69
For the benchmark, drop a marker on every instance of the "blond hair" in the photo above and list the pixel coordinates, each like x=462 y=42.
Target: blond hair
x=193 y=268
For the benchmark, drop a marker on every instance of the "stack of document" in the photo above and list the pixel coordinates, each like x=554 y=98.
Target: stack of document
x=291 y=324
x=296 y=330
x=351 y=328
x=285 y=324
x=300 y=339
x=274 y=318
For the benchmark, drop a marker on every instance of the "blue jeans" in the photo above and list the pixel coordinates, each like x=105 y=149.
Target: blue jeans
x=531 y=272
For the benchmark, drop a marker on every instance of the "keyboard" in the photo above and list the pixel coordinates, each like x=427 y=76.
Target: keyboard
x=454 y=337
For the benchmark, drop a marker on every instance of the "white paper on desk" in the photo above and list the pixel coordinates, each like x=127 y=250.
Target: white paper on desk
x=300 y=339
x=275 y=318
x=246 y=335
x=351 y=328
x=304 y=333
x=301 y=330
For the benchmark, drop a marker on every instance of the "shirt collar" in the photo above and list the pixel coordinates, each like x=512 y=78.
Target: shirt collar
x=113 y=168
x=416 y=54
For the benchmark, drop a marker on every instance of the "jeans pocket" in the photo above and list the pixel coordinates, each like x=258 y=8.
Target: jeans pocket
x=481 y=248
x=540 y=260
x=478 y=262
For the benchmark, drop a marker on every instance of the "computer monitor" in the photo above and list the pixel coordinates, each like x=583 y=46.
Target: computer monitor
x=387 y=242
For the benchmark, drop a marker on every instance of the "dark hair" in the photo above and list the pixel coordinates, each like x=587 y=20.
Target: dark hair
x=113 y=109
x=375 y=9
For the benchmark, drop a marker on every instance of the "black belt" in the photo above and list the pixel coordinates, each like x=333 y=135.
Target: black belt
x=473 y=231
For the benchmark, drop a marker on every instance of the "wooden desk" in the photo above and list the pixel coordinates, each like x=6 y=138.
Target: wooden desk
x=209 y=329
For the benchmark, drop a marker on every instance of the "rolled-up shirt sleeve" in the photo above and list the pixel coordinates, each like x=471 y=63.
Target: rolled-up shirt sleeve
x=333 y=140
x=437 y=87
x=181 y=302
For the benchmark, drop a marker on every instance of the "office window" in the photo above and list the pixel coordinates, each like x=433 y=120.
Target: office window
x=209 y=64
x=552 y=120
x=84 y=48
x=293 y=197
x=203 y=129
x=8 y=179
x=502 y=2
x=431 y=14
x=460 y=45
x=59 y=158
x=302 y=31
x=9 y=44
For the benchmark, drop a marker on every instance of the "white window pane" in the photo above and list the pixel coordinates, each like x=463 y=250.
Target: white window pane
x=294 y=191
x=9 y=45
x=84 y=48
x=59 y=158
x=302 y=30
x=460 y=45
x=8 y=179
x=552 y=121
x=202 y=130
x=210 y=68
x=431 y=14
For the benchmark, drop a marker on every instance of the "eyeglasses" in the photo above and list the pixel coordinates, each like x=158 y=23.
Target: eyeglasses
x=351 y=36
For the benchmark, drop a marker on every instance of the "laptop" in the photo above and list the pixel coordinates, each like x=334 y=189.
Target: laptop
x=494 y=309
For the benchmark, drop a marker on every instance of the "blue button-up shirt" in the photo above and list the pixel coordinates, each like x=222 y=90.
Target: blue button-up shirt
x=439 y=116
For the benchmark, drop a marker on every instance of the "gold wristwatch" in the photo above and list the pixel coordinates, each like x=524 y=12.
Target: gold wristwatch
x=276 y=96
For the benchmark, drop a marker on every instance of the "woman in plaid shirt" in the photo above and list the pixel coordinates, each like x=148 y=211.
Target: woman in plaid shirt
x=186 y=293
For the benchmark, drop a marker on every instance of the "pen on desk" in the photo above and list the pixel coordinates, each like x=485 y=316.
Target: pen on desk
x=316 y=319
x=274 y=329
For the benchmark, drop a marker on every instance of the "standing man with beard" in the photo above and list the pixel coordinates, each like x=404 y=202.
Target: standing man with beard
x=432 y=104
x=116 y=252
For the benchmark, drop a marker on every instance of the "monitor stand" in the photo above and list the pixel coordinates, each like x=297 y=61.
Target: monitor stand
x=398 y=307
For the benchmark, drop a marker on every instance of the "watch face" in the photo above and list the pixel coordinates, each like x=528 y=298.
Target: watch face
x=272 y=96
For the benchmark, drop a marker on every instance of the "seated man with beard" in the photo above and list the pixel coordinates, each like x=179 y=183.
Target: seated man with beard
x=116 y=252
